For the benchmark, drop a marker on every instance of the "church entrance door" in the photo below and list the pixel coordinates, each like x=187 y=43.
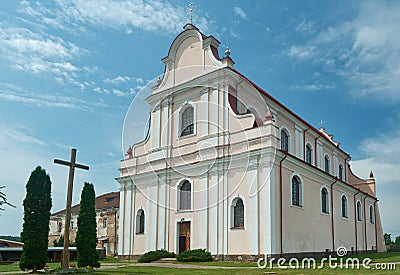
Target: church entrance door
x=184 y=236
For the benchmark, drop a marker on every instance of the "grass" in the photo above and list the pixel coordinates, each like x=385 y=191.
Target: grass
x=242 y=267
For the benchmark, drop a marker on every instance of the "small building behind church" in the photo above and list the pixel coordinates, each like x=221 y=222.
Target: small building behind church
x=107 y=215
x=228 y=168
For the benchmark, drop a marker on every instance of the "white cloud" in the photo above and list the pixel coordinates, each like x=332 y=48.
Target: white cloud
x=101 y=90
x=38 y=52
x=301 y=52
x=363 y=51
x=120 y=15
x=16 y=94
x=117 y=80
x=21 y=136
x=118 y=93
x=239 y=12
x=382 y=156
x=305 y=26
x=312 y=87
x=234 y=35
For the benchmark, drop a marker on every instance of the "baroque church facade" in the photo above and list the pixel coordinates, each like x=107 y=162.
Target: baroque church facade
x=228 y=168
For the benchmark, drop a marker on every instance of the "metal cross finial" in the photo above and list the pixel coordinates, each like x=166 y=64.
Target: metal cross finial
x=322 y=123
x=191 y=9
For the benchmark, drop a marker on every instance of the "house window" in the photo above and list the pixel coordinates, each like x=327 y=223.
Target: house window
x=308 y=154
x=359 y=214
x=327 y=164
x=187 y=123
x=341 y=172
x=59 y=226
x=324 y=201
x=185 y=195
x=344 y=207
x=371 y=214
x=140 y=218
x=105 y=222
x=238 y=214
x=296 y=191
x=284 y=141
x=72 y=224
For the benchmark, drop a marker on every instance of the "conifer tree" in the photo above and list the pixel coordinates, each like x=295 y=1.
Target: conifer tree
x=86 y=237
x=35 y=231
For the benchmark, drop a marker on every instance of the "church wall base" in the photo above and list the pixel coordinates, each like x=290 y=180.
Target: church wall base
x=255 y=258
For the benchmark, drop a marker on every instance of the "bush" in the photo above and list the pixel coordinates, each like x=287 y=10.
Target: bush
x=197 y=255
x=156 y=255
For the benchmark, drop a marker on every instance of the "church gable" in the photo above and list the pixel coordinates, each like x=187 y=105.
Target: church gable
x=190 y=55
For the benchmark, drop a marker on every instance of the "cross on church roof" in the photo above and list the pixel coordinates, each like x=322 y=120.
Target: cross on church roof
x=322 y=123
x=191 y=9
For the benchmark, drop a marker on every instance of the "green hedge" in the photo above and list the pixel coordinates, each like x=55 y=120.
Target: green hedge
x=197 y=255
x=156 y=255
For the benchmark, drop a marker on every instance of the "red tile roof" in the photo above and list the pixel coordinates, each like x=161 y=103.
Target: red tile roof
x=105 y=201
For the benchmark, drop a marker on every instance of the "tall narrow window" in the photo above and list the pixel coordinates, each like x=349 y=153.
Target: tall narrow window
x=341 y=172
x=59 y=226
x=344 y=207
x=371 y=214
x=284 y=141
x=308 y=154
x=187 y=123
x=324 y=201
x=105 y=222
x=238 y=214
x=296 y=191
x=185 y=196
x=359 y=213
x=327 y=164
x=140 y=218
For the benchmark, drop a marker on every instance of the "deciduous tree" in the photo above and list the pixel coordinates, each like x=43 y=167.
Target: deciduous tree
x=3 y=198
x=388 y=239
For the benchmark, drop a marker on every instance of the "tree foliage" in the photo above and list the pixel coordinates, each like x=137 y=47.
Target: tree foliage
x=59 y=242
x=86 y=237
x=35 y=230
x=397 y=240
x=3 y=199
x=388 y=239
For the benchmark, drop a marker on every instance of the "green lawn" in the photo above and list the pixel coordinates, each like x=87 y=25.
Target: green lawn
x=241 y=267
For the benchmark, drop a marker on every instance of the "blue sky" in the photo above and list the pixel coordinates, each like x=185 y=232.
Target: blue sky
x=70 y=69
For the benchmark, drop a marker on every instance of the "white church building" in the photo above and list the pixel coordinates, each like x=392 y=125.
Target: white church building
x=228 y=168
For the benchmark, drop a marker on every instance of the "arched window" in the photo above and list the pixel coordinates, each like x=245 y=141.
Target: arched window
x=140 y=218
x=327 y=164
x=238 y=213
x=185 y=195
x=296 y=191
x=371 y=214
x=341 y=172
x=284 y=140
x=187 y=123
x=344 y=207
x=359 y=211
x=324 y=201
x=309 y=154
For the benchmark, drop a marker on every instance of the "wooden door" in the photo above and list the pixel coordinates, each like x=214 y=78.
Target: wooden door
x=184 y=236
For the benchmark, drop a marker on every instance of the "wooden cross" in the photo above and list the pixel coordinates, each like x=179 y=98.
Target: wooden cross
x=72 y=165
